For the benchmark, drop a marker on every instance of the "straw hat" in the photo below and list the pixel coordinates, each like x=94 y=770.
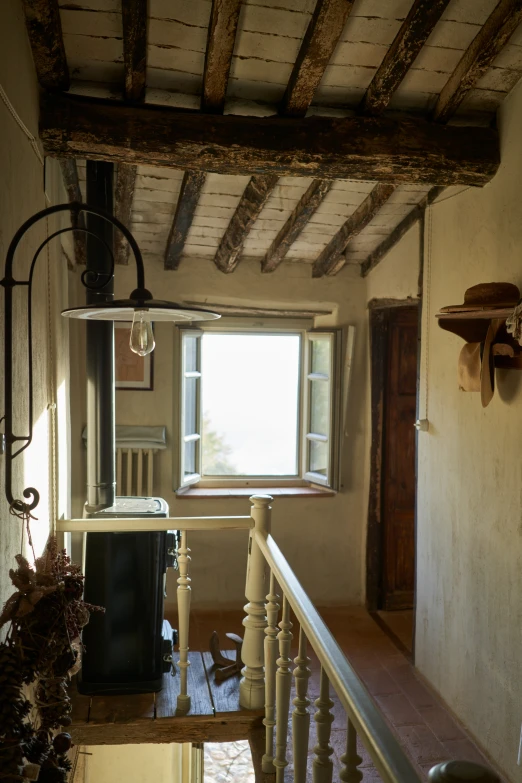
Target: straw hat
x=481 y=299
x=476 y=368
x=486 y=296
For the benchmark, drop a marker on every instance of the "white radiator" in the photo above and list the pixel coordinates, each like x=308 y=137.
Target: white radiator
x=135 y=471
x=136 y=446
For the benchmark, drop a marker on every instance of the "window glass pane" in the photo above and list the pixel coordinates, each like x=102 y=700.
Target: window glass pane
x=319 y=407
x=318 y=456
x=321 y=356
x=191 y=399
x=190 y=457
x=250 y=404
x=191 y=353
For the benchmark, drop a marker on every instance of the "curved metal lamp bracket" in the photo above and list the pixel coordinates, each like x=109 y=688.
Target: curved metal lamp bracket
x=31 y=495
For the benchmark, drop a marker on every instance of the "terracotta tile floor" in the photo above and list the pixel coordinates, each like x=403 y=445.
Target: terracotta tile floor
x=426 y=729
x=400 y=624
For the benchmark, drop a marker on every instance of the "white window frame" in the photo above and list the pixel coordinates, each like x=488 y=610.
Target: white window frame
x=334 y=380
x=188 y=479
x=304 y=477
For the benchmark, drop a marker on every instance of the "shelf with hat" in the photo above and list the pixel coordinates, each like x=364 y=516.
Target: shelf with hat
x=490 y=323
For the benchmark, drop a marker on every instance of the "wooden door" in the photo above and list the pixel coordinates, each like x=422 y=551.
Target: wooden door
x=398 y=495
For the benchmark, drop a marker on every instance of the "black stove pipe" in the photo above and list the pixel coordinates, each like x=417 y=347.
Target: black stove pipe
x=101 y=471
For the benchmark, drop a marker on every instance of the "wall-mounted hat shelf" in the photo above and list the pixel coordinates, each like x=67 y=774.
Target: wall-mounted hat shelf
x=499 y=312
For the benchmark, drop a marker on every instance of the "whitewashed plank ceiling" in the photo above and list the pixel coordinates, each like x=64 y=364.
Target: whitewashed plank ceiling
x=269 y=36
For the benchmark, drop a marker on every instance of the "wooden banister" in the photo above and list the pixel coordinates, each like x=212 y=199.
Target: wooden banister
x=252 y=685
x=267 y=672
x=184 y=595
x=153 y=525
x=386 y=753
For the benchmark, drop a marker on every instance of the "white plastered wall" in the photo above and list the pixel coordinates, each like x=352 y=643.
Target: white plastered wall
x=469 y=522
x=397 y=275
x=469 y=606
x=322 y=537
x=21 y=195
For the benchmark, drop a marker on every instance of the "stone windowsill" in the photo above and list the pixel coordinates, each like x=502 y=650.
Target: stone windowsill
x=241 y=492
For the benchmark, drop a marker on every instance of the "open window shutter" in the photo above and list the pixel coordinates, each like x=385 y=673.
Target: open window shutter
x=190 y=413
x=321 y=408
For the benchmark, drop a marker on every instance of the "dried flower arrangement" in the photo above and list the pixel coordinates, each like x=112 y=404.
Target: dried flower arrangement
x=42 y=649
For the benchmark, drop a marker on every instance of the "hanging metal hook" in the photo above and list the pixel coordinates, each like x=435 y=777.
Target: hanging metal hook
x=9 y=438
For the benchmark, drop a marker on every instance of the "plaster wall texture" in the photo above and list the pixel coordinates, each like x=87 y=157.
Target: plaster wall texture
x=136 y=763
x=469 y=523
x=321 y=537
x=22 y=194
x=397 y=275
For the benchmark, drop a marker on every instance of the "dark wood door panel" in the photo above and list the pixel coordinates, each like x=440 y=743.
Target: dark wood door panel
x=398 y=512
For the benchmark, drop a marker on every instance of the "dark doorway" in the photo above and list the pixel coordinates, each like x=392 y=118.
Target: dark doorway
x=398 y=475
x=391 y=522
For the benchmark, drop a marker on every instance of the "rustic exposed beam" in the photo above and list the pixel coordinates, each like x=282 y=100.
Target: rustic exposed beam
x=252 y=202
x=263 y=312
x=398 y=232
x=71 y=183
x=42 y=18
x=319 y=42
x=412 y=35
x=476 y=60
x=478 y=57
x=331 y=259
x=295 y=224
x=218 y=58
x=363 y=148
x=134 y=18
x=123 y=198
x=189 y=193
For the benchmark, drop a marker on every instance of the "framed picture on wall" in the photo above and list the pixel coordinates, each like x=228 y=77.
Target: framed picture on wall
x=130 y=370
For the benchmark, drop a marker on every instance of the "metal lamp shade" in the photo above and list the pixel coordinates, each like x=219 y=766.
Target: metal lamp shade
x=124 y=309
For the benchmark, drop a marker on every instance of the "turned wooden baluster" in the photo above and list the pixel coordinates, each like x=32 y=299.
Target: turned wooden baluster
x=300 y=715
x=252 y=685
x=283 y=688
x=350 y=760
x=322 y=766
x=184 y=592
x=272 y=611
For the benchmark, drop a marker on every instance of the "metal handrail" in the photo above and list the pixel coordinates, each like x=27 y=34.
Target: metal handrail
x=384 y=749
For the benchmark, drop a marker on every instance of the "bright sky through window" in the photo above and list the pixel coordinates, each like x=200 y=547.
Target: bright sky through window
x=250 y=386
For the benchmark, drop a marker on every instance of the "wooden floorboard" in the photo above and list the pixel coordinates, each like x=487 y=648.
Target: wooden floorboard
x=215 y=715
x=122 y=709
x=224 y=694
x=81 y=705
x=198 y=689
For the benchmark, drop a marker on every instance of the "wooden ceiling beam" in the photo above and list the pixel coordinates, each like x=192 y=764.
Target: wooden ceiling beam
x=261 y=312
x=252 y=202
x=412 y=35
x=363 y=148
x=332 y=259
x=319 y=42
x=398 y=232
x=134 y=18
x=218 y=58
x=487 y=44
x=302 y=213
x=189 y=193
x=71 y=183
x=478 y=57
x=44 y=26
x=124 y=186
x=221 y=40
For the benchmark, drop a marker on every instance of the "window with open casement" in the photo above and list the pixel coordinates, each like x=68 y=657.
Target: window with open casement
x=259 y=406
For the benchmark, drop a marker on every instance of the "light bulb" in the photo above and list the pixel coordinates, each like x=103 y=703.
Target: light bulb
x=141 y=335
